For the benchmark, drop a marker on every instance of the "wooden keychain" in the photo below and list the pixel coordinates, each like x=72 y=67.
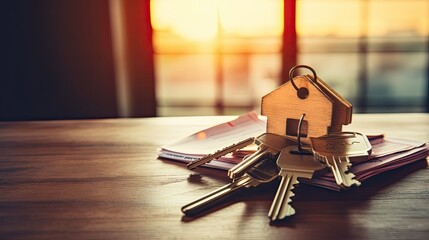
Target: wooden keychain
x=325 y=110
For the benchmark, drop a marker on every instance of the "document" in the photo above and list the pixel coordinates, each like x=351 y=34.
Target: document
x=209 y=140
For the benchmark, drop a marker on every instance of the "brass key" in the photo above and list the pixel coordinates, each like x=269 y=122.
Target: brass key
x=263 y=172
x=293 y=166
x=220 y=153
x=268 y=144
x=339 y=151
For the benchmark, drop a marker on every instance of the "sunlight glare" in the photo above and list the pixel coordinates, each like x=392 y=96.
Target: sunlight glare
x=252 y=18
x=197 y=20
x=191 y=19
x=408 y=18
x=317 y=18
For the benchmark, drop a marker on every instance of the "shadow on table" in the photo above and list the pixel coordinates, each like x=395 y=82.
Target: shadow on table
x=308 y=199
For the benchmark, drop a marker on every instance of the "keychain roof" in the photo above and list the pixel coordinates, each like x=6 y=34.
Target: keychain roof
x=325 y=110
x=343 y=109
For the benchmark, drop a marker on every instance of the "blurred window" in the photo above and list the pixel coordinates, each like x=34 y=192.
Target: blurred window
x=374 y=52
x=222 y=56
x=215 y=57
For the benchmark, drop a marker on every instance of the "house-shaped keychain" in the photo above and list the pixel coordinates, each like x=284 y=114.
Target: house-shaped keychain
x=325 y=110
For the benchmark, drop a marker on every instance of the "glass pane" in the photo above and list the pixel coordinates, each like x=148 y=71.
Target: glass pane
x=237 y=89
x=397 y=44
x=264 y=74
x=185 y=79
x=196 y=26
x=249 y=77
x=252 y=45
x=189 y=34
x=391 y=35
x=188 y=19
x=340 y=71
x=326 y=44
x=251 y=18
x=398 y=18
x=328 y=18
x=397 y=80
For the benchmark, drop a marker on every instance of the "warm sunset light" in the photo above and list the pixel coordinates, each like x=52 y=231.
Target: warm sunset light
x=318 y=19
x=190 y=19
x=234 y=51
x=251 y=18
x=198 y=20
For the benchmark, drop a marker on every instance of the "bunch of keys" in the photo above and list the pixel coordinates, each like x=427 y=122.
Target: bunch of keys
x=335 y=151
x=259 y=167
x=339 y=151
x=280 y=156
x=264 y=171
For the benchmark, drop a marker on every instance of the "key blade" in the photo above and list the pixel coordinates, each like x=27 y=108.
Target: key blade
x=247 y=163
x=210 y=199
x=293 y=166
x=340 y=150
x=349 y=179
x=286 y=208
x=269 y=144
x=281 y=208
x=220 y=153
x=264 y=172
x=338 y=175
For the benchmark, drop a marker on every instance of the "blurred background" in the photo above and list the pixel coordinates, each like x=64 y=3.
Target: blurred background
x=68 y=59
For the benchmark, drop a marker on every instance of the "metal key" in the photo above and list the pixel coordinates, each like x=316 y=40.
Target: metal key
x=339 y=151
x=293 y=166
x=220 y=153
x=268 y=144
x=263 y=172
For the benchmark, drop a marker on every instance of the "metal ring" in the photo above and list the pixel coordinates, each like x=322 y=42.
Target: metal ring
x=301 y=150
x=301 y=66
x=301 y=119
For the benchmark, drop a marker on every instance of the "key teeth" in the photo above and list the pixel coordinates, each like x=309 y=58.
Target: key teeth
x=292 y=194
x=351 y=180
x=348 y=177
x=289 y=211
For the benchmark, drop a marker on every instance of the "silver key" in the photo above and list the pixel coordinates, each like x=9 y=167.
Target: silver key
x=220 y=153
x=293 y=166
x=269 y=144
x=263 y=172
x=339 y=151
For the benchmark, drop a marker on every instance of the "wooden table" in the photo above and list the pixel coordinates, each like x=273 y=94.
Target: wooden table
x=101 y=179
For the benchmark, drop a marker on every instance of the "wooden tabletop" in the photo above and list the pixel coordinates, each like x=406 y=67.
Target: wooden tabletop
x=101 y=179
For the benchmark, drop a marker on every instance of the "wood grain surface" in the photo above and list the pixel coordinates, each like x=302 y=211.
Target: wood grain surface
x=101 y=179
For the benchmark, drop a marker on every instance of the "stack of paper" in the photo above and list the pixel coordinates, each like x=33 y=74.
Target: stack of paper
x=212 y=139
x=387 y=154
